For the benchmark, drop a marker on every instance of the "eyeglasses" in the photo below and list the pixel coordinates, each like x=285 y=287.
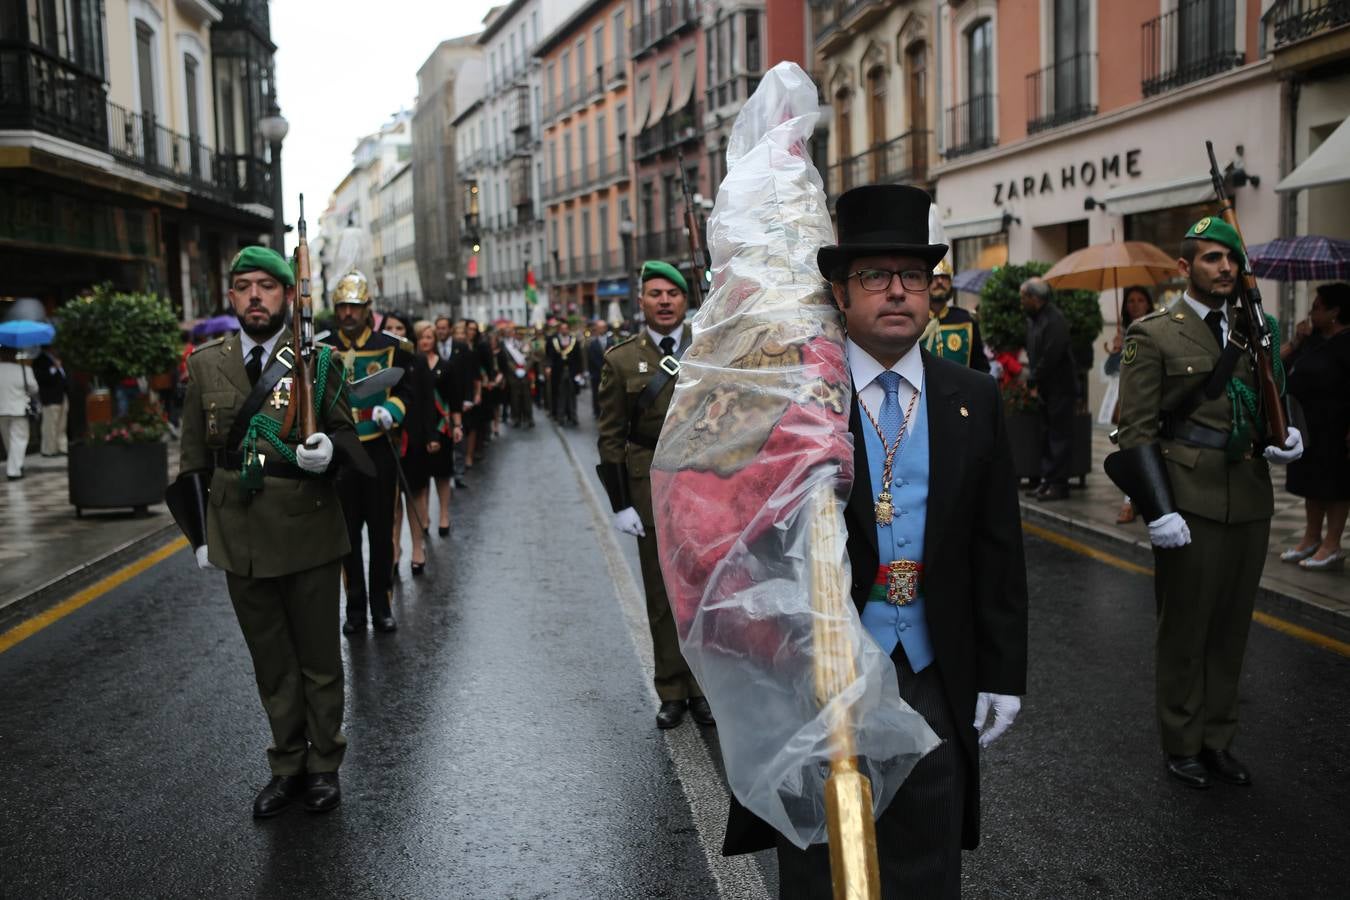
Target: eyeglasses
x=880 y=279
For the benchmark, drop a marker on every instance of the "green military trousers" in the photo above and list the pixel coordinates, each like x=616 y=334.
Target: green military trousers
x=673 y=679
x=290 y=624
x=1206 y=592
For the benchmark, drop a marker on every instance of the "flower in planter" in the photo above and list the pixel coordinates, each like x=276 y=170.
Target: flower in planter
x=145 y=424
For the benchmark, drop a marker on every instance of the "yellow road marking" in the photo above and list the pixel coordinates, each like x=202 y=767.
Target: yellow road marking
x=1316 y=638
x=30 y=627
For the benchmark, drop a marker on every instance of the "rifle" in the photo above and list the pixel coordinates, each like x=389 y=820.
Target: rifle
x=695 y=245
x=302 y=332
x=1260 y=341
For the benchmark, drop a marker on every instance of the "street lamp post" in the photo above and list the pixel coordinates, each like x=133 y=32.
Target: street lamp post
x=627 y=229
x=273 y=128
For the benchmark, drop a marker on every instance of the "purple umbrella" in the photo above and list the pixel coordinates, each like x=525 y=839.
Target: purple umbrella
x=214 y=326
x=1311 y=257
x=971 y=280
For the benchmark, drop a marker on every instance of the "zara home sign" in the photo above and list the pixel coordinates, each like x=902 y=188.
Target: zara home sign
x=1085 y=173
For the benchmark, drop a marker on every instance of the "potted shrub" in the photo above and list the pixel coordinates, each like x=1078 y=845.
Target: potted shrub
x=110 y=336
x=1004 y=326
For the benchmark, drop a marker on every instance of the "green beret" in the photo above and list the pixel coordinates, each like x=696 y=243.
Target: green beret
x=264 y=259
x=655 y=268
x=1213 y=228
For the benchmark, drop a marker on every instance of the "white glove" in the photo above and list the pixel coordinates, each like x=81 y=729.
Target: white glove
x=382 y=417
x=1293 y=449
x=316 y=453
x=1006 y=708
x=202 y=562
x=629 y=522
x=1169 y=531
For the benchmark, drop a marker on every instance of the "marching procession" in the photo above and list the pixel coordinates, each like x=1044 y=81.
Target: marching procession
x=791 y=573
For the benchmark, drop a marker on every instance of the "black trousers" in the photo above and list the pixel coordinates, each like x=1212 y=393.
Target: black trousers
x=1057 y=415
x=369 y=502
x=919 y=834
x=564 y=396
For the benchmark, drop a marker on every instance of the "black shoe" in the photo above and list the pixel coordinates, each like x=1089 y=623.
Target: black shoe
x=354 y=626
x=322 y=792
x=700 y=711
x=418 y=568
x=1188 y=770
x=670 y=714
x=1049 y=493
x=443 y=530
x=1033 y=485
x=459 y=483
x=384 y=623
x=278 y=794
x=1222 y=765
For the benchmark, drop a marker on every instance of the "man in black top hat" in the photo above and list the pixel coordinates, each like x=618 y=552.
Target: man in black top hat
x=929 y=435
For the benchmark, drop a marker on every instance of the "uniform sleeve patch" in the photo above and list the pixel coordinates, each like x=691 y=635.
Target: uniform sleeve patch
x=1130 y=351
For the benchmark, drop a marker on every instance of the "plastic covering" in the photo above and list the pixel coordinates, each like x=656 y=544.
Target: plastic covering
x=756 y=433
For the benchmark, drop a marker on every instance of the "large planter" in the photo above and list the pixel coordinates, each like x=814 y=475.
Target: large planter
x=1025 y=433
x=115 y=476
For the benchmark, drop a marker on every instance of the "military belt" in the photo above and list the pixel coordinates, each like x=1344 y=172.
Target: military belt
x=272 y=466
x=1195 y=435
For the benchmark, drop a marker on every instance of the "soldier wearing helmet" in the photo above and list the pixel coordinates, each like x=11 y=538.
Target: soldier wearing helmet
x=952 y=332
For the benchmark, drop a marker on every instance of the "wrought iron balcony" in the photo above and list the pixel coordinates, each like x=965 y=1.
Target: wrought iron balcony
x=1193 y=41
x=673 y=128
x=735 y=90
x=669 y=18
x=252 y=15
x=970 y=125
x=1061 y=93
x=1297 y=20
x=903 y=159
x=42 y=92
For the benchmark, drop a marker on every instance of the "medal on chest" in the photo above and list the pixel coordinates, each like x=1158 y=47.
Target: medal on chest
x=281 y=394
x=883 y=508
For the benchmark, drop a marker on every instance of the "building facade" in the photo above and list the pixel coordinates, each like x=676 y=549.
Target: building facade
x=452 y=72
x=588 y=169
x=401 y=287
x=735 y=58
x=129 y=145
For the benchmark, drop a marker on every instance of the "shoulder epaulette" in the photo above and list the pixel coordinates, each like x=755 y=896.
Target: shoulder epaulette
x=406 y=345
x=1152 y=315
x=623 y=343
x=215 y=343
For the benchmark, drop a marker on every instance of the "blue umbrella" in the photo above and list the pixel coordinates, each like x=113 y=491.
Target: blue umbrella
x=25 y=333
x=971 y=280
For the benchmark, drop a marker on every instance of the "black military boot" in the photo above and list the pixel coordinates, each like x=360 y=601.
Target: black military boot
x=322 y=791
x=278 y=794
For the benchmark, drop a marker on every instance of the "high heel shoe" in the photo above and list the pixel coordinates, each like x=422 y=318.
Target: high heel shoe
x=1334 y=561
x=418 y=568
x=443 y=530
x=1293 y=554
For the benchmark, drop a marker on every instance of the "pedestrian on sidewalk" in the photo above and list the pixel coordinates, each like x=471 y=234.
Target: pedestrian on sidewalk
x=273 y=525
x=636 y=385
x=1054 y=379
x=53 y=390
x=1205 y=473
x=1318 y=359
x=18 y=387
x=1137 y=303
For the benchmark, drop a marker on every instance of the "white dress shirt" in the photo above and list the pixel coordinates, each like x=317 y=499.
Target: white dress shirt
x=1202 y=310
x=677 y=334
x=865 y=370
x=247 y=344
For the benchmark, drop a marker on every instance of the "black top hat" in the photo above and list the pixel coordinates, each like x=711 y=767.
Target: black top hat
x=879 y=219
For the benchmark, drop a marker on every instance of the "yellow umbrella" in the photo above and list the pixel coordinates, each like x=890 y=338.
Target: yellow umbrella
x=1104 y=267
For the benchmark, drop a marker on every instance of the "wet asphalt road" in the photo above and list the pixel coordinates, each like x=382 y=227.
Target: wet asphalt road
x=502 y=742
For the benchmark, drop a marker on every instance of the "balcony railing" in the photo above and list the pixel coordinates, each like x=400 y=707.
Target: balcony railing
x=42 y=92
x=616 y=71
x=970 y=125
x=1193 y=41
x=244 y=13
x=674 y=128
x=734 y=90
x=1297 y=20
x=902 y=159
x=666 y=19
x=1061 y=93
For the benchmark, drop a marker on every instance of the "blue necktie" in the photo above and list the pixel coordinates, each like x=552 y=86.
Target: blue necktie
x=890 y=419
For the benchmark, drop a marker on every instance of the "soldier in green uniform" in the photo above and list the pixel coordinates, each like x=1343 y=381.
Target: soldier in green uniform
x=273 y=523
x=1192 y=452
x=952 y=332
x=636 y=384
x=369 y=500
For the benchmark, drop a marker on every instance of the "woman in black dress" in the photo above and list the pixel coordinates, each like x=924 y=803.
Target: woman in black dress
x=447 y=400
x=413 y=441
x=478 y=421
x=1318 y=360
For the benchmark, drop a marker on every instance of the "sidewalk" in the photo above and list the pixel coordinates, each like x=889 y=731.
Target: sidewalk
x=47 y=553
x=1093 y=509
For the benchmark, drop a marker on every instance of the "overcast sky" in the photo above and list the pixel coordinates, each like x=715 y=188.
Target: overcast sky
x=343 y=68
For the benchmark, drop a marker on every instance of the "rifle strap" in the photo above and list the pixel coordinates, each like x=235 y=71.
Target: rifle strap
x=282 y=364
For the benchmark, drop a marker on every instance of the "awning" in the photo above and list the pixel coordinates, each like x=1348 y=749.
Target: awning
x=662 y=97
x=1185 y=191
x=1328 y=164
x=688 y=74
x=969 y=228
x=642 y=103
